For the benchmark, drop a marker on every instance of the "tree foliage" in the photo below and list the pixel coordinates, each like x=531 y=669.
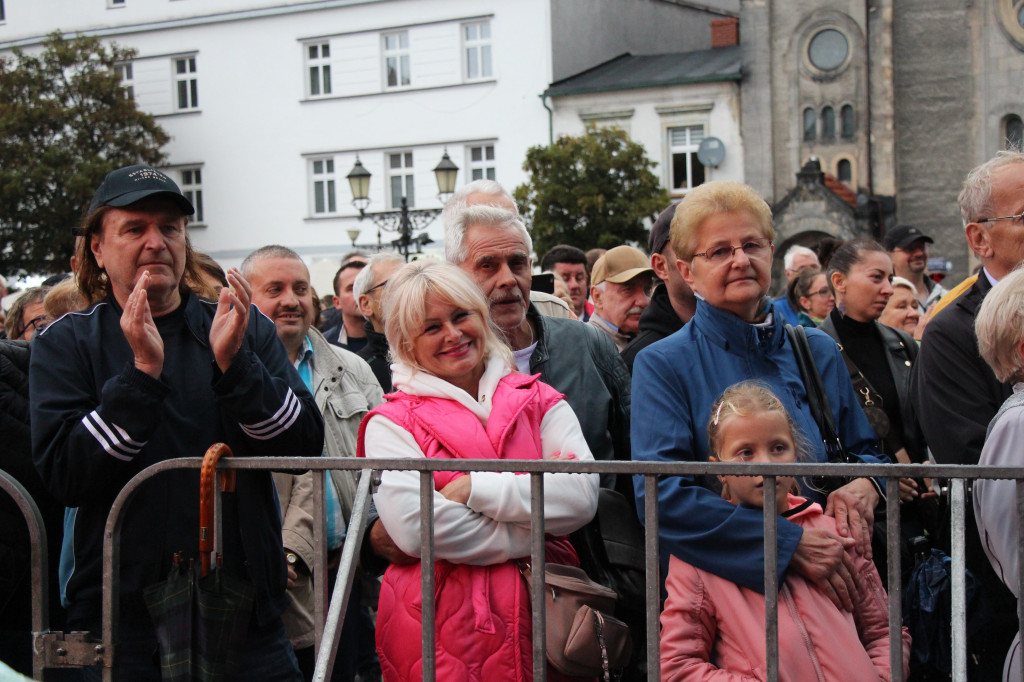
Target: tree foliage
x=65 y=122
x=589 y=191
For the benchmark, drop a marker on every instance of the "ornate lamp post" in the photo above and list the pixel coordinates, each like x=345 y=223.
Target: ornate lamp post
x=403 y=221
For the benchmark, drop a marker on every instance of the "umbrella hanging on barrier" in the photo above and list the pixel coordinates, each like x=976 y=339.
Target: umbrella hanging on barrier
x=201 y=616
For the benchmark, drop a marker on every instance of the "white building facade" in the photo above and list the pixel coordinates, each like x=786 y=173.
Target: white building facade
x=269 y=104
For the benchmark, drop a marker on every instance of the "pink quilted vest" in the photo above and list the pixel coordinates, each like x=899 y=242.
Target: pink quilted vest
x=482 y=613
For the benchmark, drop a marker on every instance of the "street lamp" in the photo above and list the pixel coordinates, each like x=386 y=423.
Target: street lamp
x=354 y=235
x=403 y=221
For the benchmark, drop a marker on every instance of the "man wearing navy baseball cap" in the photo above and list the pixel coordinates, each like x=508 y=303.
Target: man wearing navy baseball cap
x=151 y=372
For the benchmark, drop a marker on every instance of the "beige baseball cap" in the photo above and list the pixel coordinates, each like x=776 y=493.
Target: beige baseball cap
x=619 y=265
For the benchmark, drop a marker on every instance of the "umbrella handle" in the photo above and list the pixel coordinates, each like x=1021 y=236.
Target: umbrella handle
x=207 y=476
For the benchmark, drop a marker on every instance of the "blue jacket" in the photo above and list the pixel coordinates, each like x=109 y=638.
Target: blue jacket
x=675 y=383
x=97 y=421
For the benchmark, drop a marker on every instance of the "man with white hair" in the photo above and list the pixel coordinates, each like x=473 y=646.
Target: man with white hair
x=493 y=247
x=954 y=392
x=368 y=290
x=796 y=259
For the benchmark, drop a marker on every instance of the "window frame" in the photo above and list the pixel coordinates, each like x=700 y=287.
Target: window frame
x=809 y=124
x=189 y=76
x=690 y=150
x=127 y=73
x=485 y=165
x=321 y=65
x=828 y=123
x=3 y=12
x=403 y=56
x=190 y=182
x=327 y=179
x=116 y=4
x=481 y=46
x=406 y=170
x=847 y=132
x=1004 y=126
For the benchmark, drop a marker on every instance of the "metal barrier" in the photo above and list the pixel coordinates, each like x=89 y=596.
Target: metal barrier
x=329 y=624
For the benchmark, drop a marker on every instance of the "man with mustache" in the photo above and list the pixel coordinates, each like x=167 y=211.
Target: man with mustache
x=623 y=282
x=345 y=390
x=908 y=248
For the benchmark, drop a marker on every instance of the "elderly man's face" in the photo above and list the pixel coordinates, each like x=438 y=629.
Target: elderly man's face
x=623 y=303
x=1005 y=238
x=801 y=261
x=147 y=236
x=281 y=290
x=370 y=300
x=497 y=259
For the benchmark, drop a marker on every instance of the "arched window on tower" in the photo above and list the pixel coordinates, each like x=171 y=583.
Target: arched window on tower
x=810 y=125
x=828 y=123
x=1013 y=132
x=846 y=122
x=844 y=171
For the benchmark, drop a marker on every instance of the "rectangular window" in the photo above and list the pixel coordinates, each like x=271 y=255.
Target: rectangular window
x=323 y=187
x=115 y=3
x=477 y=39
x=400 y=175
x=186 y=82
x=127 y=79
x=2 y=15
x=192 y=188
x=687 y=171
x=396 y=59
x=481 y=162
x=318 y=63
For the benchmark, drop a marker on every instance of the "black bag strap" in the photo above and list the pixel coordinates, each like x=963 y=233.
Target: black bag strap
x=816 y=398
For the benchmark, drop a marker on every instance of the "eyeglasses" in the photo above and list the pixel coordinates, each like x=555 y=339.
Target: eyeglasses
x=755 y=248
x=824 y=291
x=36 y=323
x=376 y=286
x=1007 y=217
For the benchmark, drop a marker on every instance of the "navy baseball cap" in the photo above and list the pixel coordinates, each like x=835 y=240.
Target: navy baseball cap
x=660 y=230
x=127 y=185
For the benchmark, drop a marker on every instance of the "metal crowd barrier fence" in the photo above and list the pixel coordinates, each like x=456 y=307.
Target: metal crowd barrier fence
x=74 y=650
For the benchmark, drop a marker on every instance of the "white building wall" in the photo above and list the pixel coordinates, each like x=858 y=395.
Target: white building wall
x=647 y=114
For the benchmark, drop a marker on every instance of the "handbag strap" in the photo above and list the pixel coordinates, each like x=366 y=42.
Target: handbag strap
x=605 y=667
x=816 y=397
x=860 y=382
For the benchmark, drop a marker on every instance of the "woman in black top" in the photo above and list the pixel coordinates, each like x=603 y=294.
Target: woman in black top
x=879 y=360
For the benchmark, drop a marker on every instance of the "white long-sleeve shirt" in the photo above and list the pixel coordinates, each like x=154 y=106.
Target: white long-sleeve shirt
x=494 y=524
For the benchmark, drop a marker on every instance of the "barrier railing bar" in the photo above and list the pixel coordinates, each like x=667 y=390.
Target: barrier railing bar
x=327 y=643
x=319 y=568
x=38 y=560
x=537 y=561
x=959 y=603
x=771 y=579
x=895 y=577
x=1020 y=561
x=651 y=470
x=427 y=575
x=653 y=568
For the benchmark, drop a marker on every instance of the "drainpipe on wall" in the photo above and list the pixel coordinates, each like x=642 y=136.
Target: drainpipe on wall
x=551 y=118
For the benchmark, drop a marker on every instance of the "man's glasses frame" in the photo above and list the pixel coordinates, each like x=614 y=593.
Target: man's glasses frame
x=1005 y=217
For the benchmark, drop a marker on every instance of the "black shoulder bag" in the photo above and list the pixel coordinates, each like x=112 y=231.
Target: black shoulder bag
x=817 y=400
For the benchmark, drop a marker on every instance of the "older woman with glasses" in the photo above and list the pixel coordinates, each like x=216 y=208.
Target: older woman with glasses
x=722 y=236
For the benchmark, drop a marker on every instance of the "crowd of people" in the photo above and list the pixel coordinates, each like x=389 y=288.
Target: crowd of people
x=148 y=350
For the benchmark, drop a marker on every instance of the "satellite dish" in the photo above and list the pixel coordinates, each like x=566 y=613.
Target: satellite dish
x=711 y=152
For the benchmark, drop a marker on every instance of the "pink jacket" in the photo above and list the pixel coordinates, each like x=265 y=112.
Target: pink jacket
x=482 y=612
x=713 y=629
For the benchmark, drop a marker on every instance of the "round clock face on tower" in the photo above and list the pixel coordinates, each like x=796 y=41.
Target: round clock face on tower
x=1011 y=18
x=828 y=50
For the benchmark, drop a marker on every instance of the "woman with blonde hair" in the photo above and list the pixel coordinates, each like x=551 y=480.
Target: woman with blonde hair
x=458 y=397
x=1000 y=329
x=723 y=239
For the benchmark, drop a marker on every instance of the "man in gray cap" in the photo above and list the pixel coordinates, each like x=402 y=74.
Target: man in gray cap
x=622 y=283
x=672 y=303
x=149 y=373
x=908 y=248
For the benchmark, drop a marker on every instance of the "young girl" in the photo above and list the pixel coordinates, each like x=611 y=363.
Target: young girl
x=714 y=629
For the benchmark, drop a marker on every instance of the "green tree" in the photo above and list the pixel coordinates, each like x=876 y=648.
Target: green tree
x=65 y=122
x=589 y=191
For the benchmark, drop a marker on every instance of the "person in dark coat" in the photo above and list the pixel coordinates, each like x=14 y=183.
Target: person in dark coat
x=954 y=392
x=673 y=303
